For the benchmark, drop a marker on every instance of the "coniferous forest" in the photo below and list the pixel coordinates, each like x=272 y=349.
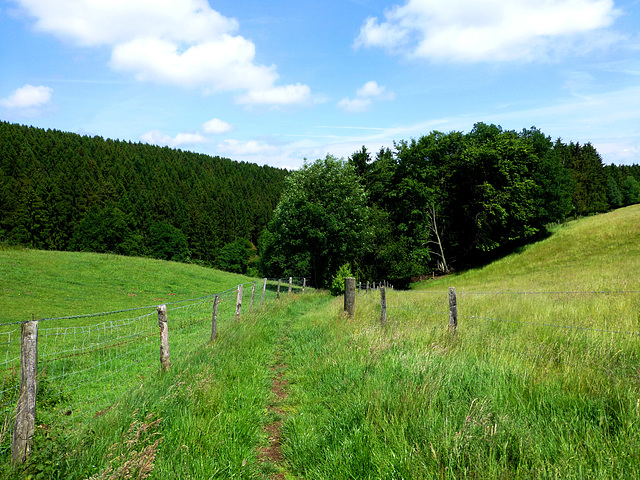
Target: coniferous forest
x=62 y=191
x=440 y=202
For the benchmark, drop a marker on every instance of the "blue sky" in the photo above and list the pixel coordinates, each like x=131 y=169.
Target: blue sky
x=274 y=82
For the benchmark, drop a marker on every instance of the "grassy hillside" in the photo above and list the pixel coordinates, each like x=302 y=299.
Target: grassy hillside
x=54 y=284
x=541 y=380
x=593 y=253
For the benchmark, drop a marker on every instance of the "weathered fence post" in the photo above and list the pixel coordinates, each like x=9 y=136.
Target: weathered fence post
x=214 y=318
x=304 y=284
x=350 y=296
x=25 y=425
x=253 y=294
x=165 y=361
x=359 y=287
x=239 y=302
x=367 y=287
x=290 y=284
x=264 y=288
x=278 y=291
x=383 y=306
x=453 y=309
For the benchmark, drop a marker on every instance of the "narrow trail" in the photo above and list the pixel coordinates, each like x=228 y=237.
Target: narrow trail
x=272 y=453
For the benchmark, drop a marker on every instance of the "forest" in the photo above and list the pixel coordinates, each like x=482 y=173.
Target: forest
x=441 y=202
x=63 y=191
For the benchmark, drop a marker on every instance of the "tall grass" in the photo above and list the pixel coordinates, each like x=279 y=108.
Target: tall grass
x=541 y=380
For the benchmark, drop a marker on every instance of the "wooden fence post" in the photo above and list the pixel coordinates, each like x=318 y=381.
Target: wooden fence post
x=350 y=296
x=304 y=284
x=214 y=318
x=239 y=302
x=367 y=287
x=165 y=361
x=24 y=428
x=253 y=294
x=383 y=306
x=278 y=292
x=290 y=284
x=453 y=309
x=264 y=288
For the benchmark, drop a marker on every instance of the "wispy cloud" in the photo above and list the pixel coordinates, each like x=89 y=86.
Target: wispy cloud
x=156 y=137
x=366 y=95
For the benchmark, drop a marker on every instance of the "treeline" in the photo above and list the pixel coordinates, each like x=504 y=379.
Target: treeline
x=444 y=201
x=63 y=191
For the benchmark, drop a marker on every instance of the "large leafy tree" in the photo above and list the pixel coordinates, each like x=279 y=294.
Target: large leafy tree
x=320 y=224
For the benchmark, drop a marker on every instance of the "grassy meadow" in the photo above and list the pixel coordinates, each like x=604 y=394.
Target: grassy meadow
x=541 y=379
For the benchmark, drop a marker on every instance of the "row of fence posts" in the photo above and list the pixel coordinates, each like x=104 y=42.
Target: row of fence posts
x=350 y=302
x=24 y=427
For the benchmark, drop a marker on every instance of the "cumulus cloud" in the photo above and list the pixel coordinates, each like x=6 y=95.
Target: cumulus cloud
x=488 y=30
x=27 y=97
x=216 y=126
x=365 y=96
x=177 y=42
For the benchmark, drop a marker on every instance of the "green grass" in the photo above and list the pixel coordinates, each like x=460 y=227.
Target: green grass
x=53 y=284
x=541 y=380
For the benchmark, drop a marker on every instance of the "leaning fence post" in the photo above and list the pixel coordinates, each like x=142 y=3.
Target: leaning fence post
x=214 y=318
x=290 y=284
x=264 y=288
x=453 y=309
x=383 y=306
x=24 y=428
x=253 y=294
x=350 y=296
x=165 y=361
x=239 y=302
x=278 y=292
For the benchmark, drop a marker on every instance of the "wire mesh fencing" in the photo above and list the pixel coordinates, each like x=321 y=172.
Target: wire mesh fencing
x=86 y=363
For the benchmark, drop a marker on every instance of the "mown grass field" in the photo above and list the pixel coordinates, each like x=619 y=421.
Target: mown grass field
x=541 y=380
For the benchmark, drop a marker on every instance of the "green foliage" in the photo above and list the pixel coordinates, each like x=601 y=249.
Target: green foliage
x=62 y=191
x=234 y=256
x=630 y=191
x=167 y=242
x=337 y=284
x=320 y=223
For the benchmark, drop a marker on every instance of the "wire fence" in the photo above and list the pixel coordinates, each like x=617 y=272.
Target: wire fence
x=596 y=330
x=87 y=362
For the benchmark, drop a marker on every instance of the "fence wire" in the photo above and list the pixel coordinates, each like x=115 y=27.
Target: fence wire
x=87 y=362
x=563 y=329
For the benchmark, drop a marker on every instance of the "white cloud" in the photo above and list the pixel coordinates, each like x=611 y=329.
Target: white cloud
x=235 y=148
x=286 y=95
x=156 y=137
x=178 y=42
x=489 y=30
x=216 y=126
x=365 y=97
x=27 y=97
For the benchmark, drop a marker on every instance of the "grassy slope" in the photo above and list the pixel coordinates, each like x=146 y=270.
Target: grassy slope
x=52 y=284
x=595 y=253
